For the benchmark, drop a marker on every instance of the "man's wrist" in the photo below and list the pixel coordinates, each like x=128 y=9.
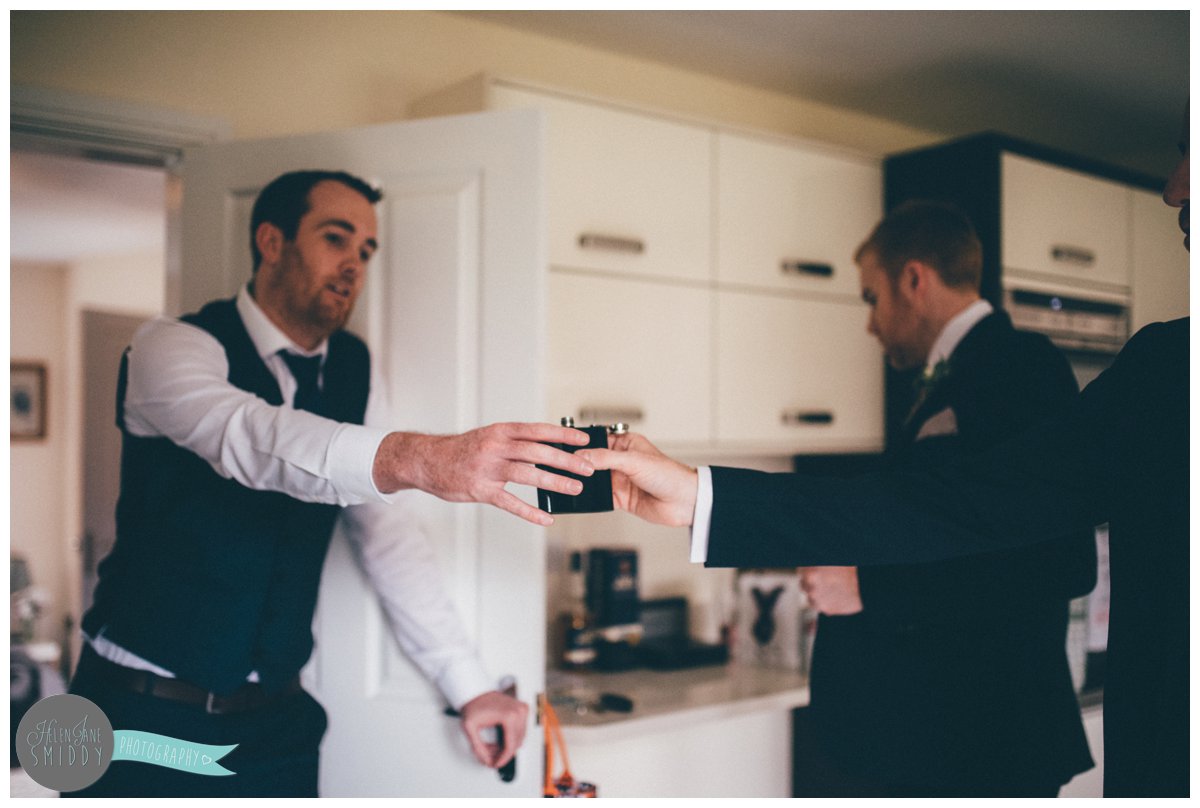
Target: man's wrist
x=398 y=461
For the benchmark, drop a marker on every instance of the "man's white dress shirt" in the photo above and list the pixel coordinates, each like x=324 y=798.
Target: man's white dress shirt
x=178 y=387
x=951 y=334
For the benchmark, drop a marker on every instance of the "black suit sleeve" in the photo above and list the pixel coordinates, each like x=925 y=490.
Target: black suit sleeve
x=1056 y=478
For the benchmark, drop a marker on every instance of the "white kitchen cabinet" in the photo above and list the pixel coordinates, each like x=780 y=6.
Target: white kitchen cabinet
x=797 y=375
x=1160 y=262
x=631 y=350
x=627 y=193
x=742 y=756
x=1062 y=224
x=684 y=217
x=790 y=218
x=712 y=731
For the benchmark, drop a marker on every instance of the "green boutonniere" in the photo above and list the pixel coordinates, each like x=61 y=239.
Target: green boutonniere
x=931 y=376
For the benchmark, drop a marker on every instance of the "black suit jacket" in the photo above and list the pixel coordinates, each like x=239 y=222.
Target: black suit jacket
x=955 y=672
x=1119 y=454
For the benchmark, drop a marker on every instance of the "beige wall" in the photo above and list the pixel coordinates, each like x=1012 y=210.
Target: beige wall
x=37 y=523
x=274 y=73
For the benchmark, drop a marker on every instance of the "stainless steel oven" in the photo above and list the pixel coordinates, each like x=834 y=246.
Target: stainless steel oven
x=1090 y=332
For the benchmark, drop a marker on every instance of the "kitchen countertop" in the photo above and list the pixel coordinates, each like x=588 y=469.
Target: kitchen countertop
x=668 y=699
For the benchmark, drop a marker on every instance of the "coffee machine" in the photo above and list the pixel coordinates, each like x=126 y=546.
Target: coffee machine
x=614 y=606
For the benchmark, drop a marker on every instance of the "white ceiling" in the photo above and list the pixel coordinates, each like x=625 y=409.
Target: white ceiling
x=1108 y=85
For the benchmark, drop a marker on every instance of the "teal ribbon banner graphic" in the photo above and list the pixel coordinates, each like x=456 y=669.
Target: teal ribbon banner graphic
x=173 y=753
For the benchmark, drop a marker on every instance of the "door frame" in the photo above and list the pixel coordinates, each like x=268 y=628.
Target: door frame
x=61 y=122
x=108 y=331
x=120 y=131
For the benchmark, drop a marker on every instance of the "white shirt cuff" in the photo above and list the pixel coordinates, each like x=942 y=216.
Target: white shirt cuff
x=702 y=516
x=464 y=682
x=352 y=462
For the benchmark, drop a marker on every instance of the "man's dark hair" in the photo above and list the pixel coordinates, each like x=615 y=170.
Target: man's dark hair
x=934 y=233
x=285 y=201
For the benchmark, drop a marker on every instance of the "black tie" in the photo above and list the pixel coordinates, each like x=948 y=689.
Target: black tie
x=305 y=369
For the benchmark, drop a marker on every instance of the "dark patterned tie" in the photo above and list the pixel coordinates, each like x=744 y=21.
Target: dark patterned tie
x=306 y=370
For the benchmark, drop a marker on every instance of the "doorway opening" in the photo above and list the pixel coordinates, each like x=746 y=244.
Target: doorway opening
x=93 y=217
x=87 y=258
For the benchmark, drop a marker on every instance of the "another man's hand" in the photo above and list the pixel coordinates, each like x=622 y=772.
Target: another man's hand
x=490 y=710
x=475 y=466
x=646 y=482
x=832 y=590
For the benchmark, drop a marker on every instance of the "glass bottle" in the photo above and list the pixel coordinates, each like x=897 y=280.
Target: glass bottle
x=579 y=650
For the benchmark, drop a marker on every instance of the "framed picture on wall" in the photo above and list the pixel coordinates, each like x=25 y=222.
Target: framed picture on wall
x=27 y=401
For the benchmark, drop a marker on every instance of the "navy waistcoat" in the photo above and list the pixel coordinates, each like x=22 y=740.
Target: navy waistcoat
x=208 y=578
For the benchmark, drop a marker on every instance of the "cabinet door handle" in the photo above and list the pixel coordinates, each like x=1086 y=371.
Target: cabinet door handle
x=1079 y=256
x=600 y=241
x=806 y=417
x=610 y=415
x=815 y=268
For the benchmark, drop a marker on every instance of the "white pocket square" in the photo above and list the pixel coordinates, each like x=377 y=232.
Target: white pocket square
x=940 y=423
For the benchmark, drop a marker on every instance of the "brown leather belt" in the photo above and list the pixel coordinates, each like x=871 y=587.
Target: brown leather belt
x=249 y=696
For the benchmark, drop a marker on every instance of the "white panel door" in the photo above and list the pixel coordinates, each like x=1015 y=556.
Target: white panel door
x=454 y=311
